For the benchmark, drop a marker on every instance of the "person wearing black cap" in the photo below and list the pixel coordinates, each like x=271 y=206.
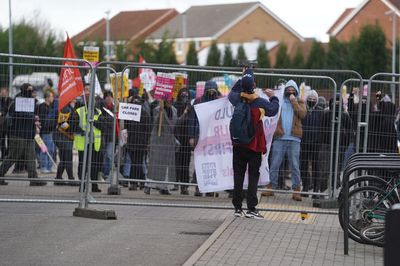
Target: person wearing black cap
x=210 y=93
x=23 y=121
x=249 y=156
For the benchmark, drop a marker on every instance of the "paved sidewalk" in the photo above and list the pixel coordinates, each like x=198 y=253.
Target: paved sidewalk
x=292 y=242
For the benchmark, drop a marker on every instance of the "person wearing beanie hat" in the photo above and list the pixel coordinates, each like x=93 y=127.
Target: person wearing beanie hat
x=287 y=138
x=310 y=143
x=249 y=156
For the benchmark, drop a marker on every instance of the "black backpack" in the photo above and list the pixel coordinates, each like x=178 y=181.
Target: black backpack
x=241 y=124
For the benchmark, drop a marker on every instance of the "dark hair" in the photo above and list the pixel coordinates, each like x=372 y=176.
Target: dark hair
x=25 y=86
x=47 y=94
x=108 y=93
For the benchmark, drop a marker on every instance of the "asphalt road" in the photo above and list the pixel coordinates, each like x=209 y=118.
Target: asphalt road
x=48 y=234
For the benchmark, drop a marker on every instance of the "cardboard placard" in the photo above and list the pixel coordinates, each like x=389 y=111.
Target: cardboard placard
x=130 y=111
x=164 y=85
x=91 y=53
x=24 y=104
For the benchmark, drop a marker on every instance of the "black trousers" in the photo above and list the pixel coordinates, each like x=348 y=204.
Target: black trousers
x=309 y=155
x=136 y=164
x=96 y=165
x=182 y=162
x=21 y=151
x=243 y=157
x=3 y=144
x=65 y=153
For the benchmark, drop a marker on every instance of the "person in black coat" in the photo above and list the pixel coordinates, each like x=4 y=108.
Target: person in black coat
x=5 y=103
x=137 y=143
x=181 y=132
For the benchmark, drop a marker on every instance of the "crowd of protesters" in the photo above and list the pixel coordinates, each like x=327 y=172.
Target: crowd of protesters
x=164 y=153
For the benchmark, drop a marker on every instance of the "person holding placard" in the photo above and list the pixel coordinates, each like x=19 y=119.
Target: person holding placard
x=23 y=122
x=162 y=147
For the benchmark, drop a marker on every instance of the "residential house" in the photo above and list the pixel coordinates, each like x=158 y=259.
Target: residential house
x=126 y=28
x=227 y=23
x=381 y=12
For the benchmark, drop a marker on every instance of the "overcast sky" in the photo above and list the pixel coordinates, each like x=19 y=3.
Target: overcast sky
x=310 y=18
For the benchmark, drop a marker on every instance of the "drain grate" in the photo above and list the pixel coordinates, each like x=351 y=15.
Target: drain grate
x=196 y=233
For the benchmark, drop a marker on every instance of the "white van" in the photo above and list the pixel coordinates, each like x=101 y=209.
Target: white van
x=39 y=80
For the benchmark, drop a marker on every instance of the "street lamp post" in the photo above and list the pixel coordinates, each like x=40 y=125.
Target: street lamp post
x=184 y=37
x=10 y=47
x=394 y=33
x=108 y=42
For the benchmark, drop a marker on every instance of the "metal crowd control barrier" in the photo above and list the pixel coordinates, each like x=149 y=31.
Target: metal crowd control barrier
x=362 y=161
x=211 y=71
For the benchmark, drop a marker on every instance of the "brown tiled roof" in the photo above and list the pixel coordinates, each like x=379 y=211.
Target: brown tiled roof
x=396 y=3
x=127 y=25
x=340 y=19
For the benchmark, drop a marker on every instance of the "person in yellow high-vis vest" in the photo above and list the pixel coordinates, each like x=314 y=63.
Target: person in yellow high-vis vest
x=79 y=142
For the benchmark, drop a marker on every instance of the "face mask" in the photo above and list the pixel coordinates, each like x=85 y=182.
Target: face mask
x=311 y=104
x=185 y=99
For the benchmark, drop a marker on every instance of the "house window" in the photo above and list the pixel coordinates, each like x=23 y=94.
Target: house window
x=179 y=47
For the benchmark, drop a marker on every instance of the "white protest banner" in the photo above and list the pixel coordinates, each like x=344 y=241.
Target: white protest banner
x=24 y=104
x=213 y=153
x=130 y=111
x=164 y=85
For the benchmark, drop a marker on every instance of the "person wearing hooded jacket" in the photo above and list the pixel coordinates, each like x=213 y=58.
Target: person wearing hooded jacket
x=249 y=156
x=23 y=126
x=310 y=142
x=210 y=93
x=287 y=138
x=181 y=132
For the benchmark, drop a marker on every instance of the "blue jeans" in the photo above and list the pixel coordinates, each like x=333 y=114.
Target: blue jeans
x=279 y=149
x=126 y=170
x=45 y=161
x=108 y=159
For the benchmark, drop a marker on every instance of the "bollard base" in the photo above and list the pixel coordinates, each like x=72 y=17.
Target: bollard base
x=114 y=190
x=325 y=203
x=95 y=214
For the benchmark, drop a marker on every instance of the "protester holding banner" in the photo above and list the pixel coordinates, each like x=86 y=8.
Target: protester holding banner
x=249 y=156
x=210 y=93
x=137 y=143
x=162 y=147
x=183 y=153
x=287 y=139
x=23 y=121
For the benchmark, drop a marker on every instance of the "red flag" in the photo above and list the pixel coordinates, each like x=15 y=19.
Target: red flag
x=70 y=84
x=136 y=81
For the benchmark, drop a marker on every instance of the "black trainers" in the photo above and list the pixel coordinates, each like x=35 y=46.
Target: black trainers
x=238 y=213
x=3 y=183
x=254 y=214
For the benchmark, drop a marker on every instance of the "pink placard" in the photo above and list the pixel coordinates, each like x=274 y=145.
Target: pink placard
x=164 y=86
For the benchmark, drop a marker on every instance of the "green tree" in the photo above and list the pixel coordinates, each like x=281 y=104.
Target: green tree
x=241 y=54
x=262 y=56
x=316 y=58
x=214 y=55
x=191 y=57
x=337 y=54
x=282 y=59
x=228 y=57
x=165 y=53
x=369 y=52
x=298 y=59
x=147 y=50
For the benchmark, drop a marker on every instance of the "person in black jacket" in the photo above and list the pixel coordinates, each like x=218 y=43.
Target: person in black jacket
x=64 y=138
x=346 y=133
x=48 y=125
x=310 y=143
x=23 y=120
x=181 y=132
x=5 y=103
x=137 y=143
